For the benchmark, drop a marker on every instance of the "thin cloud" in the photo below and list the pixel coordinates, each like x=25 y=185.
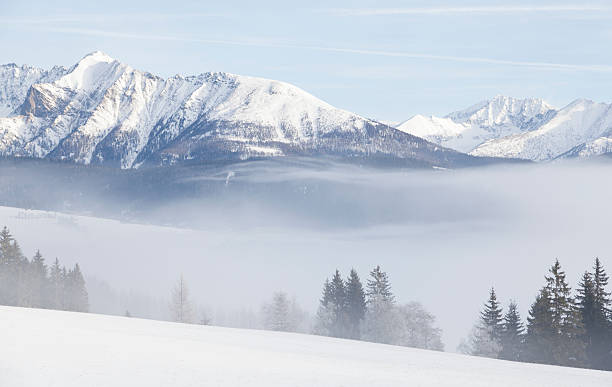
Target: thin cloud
x=467 y=10
x=99 y=18
x=384 y=53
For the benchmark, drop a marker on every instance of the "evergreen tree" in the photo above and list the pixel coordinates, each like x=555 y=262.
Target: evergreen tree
x=56 y=286
x=382 y=323
x=593 y=304
x=566 y=320
x=600 y=280
x=76 y=298
x=378 y=287
x=355 y=304
x=486 y=339
x=512 y=335
x=338 y=305
x=38 y=281
x=491 y=316
x=324 y=319
x=540 y=338
x=11 y=269
x=555 y=330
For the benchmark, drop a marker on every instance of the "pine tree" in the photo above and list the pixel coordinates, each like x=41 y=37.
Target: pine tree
x=382 y=323
x=555 y=330
x=569 y=346
x=5 y=242
x=76 y=297
x=540 y=338
x=355 y=304
x=378 y=287
x=600 y=279
x=593 y=304
x=180 y=306
x=38 y=281
x=491 y=316
x=512 y=335
x=56 y=286
x=339 y=304
x=486 y=340
x=11 y=269
x=324 y=319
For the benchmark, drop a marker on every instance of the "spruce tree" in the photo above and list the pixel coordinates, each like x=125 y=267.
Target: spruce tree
x=555 y=329
x=77 y=299
x=486 y=340
x=491 y=316
x=355 y=304
x=5 y=241
x=38 y=281
x=540 y=337
x=339 y=305
x=382 y=323
x=56 y=286
x=594 y=307
x=324 y=319
x=13 y=265
x=569 y=346
x=512 y=335
x=379 y=287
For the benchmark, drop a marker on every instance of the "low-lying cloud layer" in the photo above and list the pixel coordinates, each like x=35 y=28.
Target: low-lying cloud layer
x=444 y=237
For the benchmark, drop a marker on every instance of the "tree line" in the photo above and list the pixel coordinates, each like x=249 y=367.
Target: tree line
x=562 y=328
x=347 y=309
x=32 y=283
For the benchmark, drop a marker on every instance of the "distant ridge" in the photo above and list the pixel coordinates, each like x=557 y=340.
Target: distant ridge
x=101 y=111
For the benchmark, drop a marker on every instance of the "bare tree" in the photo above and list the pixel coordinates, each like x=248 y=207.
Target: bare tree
x=180 y=306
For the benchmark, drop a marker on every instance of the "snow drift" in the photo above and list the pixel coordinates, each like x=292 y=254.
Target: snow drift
x=52 y=348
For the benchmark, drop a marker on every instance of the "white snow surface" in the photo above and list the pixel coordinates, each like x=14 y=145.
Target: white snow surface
x=65 y=349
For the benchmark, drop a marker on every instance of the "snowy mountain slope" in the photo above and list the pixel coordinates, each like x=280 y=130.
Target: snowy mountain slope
x=102 y=111
x=581 y=129
x=52 y=348
x=15 y=81
x=466 y=129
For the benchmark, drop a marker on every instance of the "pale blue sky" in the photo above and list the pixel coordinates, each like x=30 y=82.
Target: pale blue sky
x=386 y=60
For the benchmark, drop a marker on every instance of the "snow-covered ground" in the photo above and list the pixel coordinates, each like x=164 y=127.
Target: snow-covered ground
x=65 y=349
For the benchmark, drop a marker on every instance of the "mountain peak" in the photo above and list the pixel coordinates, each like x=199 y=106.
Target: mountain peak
x=96 y=57
x=86 y=73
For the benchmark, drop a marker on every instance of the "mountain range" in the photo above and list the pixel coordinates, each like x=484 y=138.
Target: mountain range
x=103 y=112
x=521 y=128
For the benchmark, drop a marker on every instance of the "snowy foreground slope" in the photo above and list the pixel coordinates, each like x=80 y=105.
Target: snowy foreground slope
x=51 y=348
x=521 y=128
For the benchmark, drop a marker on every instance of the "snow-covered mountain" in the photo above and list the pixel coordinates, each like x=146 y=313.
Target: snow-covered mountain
x=15 y=81
x=467 y=129
x=102 y=111
x=521 y=128
x=581 y=129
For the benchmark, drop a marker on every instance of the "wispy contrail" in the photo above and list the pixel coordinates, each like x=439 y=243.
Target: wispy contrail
x=467 y=10
x=356 y=51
